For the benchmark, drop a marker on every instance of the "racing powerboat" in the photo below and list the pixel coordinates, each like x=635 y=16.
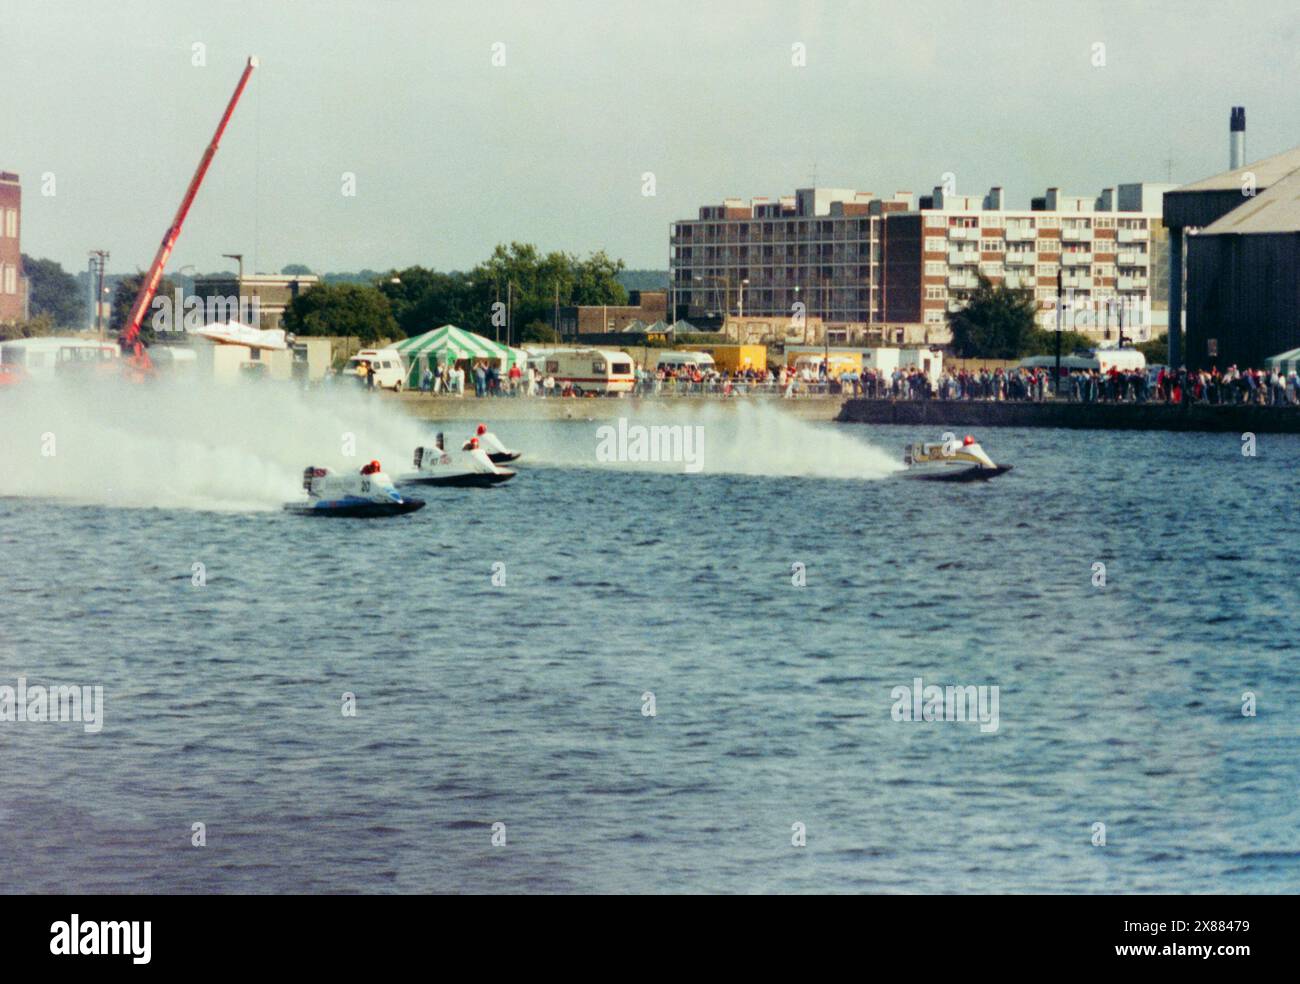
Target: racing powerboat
x=472 y=467
x=365 y=494
x=490 y=443
x=950 y=460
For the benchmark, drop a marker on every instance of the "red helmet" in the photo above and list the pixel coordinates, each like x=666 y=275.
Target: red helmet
x=482 y=429
x=473 y=443
x=967 y=440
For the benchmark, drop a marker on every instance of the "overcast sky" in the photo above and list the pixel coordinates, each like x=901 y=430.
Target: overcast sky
x=453 y=154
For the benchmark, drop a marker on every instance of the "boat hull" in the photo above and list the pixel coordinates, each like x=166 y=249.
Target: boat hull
x=501 y=457
x=946 y=473
x=465 y=480
x=355 y=510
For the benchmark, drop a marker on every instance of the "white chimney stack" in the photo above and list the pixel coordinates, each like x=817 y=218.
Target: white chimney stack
x=1237 y=138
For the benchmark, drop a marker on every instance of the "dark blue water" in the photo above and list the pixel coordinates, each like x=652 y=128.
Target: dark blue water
x=522 y=703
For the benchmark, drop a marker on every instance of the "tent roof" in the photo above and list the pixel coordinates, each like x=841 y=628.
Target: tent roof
x=1292 y=355
x=459 y=343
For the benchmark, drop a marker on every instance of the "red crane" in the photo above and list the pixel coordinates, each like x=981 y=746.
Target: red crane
x=133 y=349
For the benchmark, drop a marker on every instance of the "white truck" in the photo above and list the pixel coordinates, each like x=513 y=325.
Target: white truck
x=387 y=365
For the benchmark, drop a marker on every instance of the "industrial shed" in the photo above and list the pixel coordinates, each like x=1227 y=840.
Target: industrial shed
x=1243 y=281
x=1240 y=229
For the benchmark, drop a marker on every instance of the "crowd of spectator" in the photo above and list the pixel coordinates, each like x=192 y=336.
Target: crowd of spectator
x=1025 y=384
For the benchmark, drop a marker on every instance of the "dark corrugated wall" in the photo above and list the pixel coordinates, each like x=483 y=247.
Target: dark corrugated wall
x=1243 y=291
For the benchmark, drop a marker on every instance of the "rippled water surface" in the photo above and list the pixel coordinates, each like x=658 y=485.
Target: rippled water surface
x=521 y=703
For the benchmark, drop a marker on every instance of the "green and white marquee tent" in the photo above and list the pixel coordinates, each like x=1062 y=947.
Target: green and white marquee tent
x=1285 y=361
x=448 y=344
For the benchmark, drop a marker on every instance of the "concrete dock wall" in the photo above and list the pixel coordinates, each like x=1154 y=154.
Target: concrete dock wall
x=1089 y=416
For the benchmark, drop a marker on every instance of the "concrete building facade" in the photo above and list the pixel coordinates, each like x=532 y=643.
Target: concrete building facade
x=273 y=293
x=13 y=300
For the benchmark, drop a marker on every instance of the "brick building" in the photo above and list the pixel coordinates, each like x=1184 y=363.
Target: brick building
x=646 y=306
x=13 y=300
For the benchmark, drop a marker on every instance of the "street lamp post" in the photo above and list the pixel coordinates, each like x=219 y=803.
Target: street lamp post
x=100 y=256
x=1056 y=385
x=740 y=307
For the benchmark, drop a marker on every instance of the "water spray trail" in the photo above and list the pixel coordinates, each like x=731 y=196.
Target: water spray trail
x=189 y=445
x=739 y=439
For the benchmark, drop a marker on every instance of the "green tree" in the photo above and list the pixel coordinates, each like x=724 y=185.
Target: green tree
x=1042 y=342
x=997 y=323
x=296 y=270
x=424 y=299
x=1157 y=350
x=54 y=292
x=42 y=324
x=540 y=331
x=350 y=310
x=124 y=297
x=532 y=283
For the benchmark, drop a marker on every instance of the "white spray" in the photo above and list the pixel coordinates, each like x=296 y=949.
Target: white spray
x=175 y=444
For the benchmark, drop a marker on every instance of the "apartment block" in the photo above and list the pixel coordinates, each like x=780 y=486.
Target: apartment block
x=894 y=268
x=816 y=253
x=12 y=286
x=1109 y=251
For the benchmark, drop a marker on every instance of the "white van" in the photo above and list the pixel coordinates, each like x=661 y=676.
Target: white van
x=390 y=372
x=42 y=358
x=588 y=370
x=684 y=360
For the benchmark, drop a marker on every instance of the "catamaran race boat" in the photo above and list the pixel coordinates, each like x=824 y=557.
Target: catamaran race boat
x=365 y=494
x=950 y=460
x=470 y=468
x=490 y=443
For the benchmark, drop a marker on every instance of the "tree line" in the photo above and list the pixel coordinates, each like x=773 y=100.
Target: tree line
x=512 y=295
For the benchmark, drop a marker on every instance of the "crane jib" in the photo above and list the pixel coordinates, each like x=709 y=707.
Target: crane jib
x=130 y=337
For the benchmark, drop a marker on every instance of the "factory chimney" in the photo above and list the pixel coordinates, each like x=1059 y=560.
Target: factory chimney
x=1237 y=138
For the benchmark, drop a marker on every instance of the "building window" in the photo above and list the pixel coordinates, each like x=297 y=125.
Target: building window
x=992 y=245
x=1049 y=221
x=11 y=224
x=935 y=245
x=935 y=268
x=934 y=317
x=11 y=280
x=936 y=293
